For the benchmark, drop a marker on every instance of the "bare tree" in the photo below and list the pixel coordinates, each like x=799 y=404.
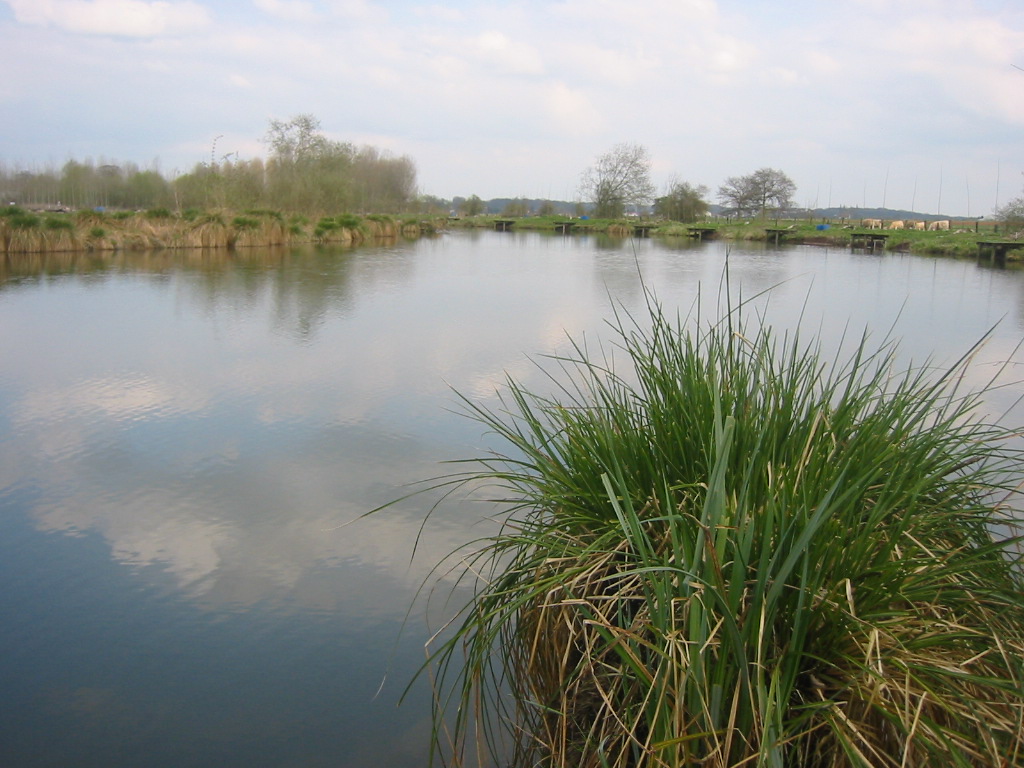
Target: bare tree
x=735 y=194
x=1012 y=212
x=758 y=192
x=619 y=178
x=296 y=139
x=309 y=172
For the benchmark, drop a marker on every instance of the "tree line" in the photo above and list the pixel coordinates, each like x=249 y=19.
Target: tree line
x=619 y=182
x=305 y=172
x=621 y=179
x=309 y=173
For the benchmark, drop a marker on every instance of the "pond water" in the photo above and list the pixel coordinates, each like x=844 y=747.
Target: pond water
x=186 y=440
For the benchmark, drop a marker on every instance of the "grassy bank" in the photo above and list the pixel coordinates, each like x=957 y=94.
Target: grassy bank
x=961 y=239
x=728 y=550
x=23 y=231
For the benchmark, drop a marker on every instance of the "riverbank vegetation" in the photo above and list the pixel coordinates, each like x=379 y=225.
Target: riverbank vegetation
x=28 y=231
x=723 y=548
x=23 y=231
x=960 y=239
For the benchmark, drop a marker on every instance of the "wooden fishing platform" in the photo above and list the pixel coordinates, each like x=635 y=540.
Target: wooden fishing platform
x=643 y=230
x=564 y=227
x=996 y=250
x=777 y=234
x=503 y=225
x=869 y=241
x=701 y=233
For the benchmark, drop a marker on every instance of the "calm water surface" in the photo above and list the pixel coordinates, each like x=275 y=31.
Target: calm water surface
x=183 y=439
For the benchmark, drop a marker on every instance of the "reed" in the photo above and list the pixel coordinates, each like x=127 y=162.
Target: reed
x=344 y=229
x=725 y=548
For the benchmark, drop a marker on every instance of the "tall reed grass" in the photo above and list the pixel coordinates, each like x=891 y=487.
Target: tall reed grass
x=726 y=548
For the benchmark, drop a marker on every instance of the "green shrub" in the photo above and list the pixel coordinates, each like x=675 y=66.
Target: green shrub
x=12 y=210
x=158 y=213
x=98 y=233
x=731 y=551
x=244 y=222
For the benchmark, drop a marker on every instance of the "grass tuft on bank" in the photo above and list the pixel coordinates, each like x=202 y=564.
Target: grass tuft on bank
x=724 y=547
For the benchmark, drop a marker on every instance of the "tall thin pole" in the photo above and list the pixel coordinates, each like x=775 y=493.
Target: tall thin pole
x=998 y=163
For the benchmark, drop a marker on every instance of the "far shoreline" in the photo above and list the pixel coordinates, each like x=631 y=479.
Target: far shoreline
x=26 y=231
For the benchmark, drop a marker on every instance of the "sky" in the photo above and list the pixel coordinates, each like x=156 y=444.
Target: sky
x=915 y=104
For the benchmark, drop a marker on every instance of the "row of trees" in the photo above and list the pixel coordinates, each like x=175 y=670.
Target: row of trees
x=621 y=179
x=305 y=172
x=87 y=185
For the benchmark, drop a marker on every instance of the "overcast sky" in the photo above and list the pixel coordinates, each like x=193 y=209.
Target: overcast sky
x=903 y=103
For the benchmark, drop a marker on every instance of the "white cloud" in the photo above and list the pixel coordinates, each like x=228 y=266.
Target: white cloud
x=122 y=18
x=358 y=10
x=604 y=65
x=967 y=56
x=290 y=10
x=508 y=56
x=572 y=110
x=439 y=13
x=239 y=81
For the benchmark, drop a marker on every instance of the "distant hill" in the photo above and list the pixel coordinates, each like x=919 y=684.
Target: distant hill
x=499 y=204
x=886 y=214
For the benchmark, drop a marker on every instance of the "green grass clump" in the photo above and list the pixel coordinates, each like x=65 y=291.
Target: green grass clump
x=58 y=223
x=158 y=214
x=24 y=220
x=348 y=221
x=328 y=224
x=244 y=222
x=266 y=213
x=89 y=217
x=723 y=548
